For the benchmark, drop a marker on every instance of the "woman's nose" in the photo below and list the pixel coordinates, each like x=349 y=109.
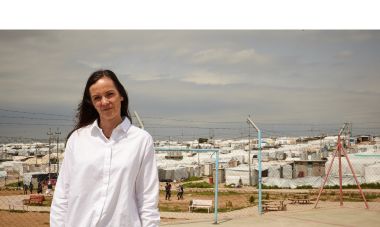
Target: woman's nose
x=104 y=101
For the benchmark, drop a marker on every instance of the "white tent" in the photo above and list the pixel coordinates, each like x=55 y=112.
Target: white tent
x=372 y=173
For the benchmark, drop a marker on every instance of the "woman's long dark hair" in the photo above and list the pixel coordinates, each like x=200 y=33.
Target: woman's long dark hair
x=87 y=114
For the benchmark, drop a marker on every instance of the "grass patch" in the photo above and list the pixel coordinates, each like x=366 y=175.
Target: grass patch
x=46 y=223
x=168 y=209
x=354 y=186
x=273 y=187
x=48 y=212
x=15 y=184
x=304 y=187
x=229 y=186
x=17 y=211
x=203 y=184
x=193 y=179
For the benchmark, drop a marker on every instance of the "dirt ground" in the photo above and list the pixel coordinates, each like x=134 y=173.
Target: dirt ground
x=239 y=200
x=12 y=191
x=11 y=219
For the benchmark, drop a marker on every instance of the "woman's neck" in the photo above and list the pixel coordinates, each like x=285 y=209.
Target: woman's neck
x=108 y=125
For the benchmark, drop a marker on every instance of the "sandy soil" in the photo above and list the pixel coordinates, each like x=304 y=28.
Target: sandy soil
x=240 y=200
x=12 y=191
x=11 y=219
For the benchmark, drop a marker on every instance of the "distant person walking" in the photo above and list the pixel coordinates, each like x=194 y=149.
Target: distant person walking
x=39 y=188
x=170 y=190
x=25 y=189
x=167 y=189
x=49 y=188
x=180 y=190
x=31 y=187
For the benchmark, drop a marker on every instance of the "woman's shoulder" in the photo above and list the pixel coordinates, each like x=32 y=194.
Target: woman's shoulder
x=138 y=132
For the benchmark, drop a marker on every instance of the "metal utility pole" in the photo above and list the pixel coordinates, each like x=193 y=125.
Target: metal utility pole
x=260 y=174
x=49 y=134
x=35 y=153
x=138 y=119
x=182 y=135
x=351 y=129
x=57 y=132
x=312 y=135
x=249 y=151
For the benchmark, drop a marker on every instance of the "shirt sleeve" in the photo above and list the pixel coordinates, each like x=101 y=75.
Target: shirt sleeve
x=59 y=205
x=147 y=188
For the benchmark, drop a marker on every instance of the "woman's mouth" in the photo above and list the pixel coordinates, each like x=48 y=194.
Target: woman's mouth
x=107 y=109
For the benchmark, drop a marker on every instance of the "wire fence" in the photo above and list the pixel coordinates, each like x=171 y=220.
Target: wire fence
x=293 y=171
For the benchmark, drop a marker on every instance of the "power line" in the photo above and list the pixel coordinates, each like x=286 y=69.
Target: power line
x=34 y=124
x=35 y=113
x=38 y=118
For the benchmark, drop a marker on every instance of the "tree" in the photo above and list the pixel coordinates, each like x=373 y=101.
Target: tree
x=202 y=140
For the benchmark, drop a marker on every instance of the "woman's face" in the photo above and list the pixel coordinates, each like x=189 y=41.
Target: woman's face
x=106 y=99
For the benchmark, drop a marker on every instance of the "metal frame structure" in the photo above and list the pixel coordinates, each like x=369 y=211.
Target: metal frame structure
x=340 y=147
x=216 y=166
x=259 y=156
x=138 y=119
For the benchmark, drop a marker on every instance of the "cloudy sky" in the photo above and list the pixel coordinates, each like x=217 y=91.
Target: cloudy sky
x=189 y=82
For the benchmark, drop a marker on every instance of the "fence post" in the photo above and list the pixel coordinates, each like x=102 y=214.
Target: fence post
x=216 y=187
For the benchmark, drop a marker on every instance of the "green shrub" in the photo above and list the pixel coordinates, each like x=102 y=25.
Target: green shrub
x=203 y=184
x=251 y=199
x=16 y=211
x=354 y=186
x=273 y=187
x=304 y=187
x=193 y=179
x=15 y=184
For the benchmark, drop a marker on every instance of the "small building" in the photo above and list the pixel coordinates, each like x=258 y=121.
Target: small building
x=308 y=168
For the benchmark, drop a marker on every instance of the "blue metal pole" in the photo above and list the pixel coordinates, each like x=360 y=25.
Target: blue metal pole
x=259 y=171
x=216 y=187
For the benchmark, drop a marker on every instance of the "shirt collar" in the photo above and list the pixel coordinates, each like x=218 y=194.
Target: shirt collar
x=124 y=125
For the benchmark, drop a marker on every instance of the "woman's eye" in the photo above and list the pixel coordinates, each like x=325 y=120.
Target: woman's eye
x=97 y=98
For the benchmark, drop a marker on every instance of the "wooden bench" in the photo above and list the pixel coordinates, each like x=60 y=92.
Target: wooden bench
x=273 y=204
x=300 y=197
x=299 y=200
x=201 y=203
x=35 y=198
x=17 y=203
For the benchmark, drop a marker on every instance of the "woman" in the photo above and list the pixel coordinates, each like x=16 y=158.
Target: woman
x=109 y=173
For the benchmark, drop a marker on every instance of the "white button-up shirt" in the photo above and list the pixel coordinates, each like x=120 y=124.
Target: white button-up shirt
x=107 y=182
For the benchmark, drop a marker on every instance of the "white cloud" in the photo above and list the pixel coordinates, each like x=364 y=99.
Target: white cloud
x=206 y=77
x=228 y=56
x=93 y=65
x=346 y=53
